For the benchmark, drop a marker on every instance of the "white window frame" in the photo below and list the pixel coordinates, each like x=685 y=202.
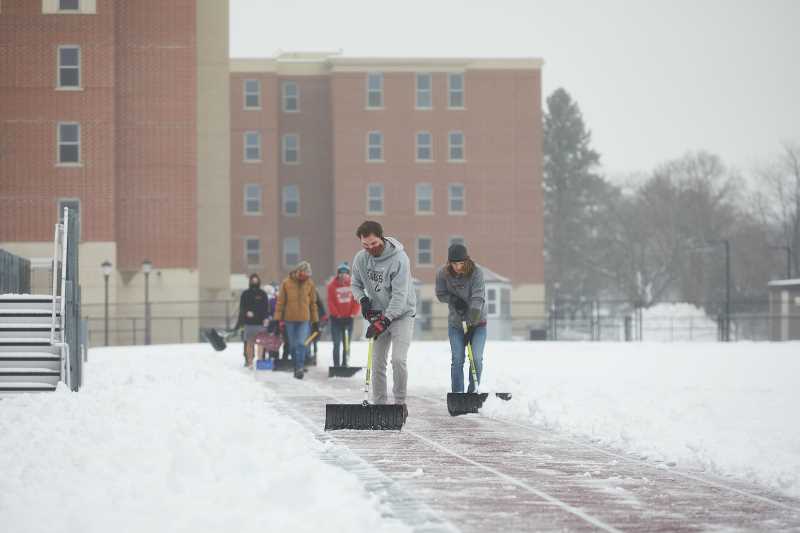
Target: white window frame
x=421 y=92
x=246 y=146
x=451 y=146
x=456 y=239
x=451 y=91
x=77 y=143
x=285 y=252
x=257 y=187
x=286 y=199
x=285 y=148
x=420 y=238
x=286 y=97
x=375 y=187
x=60 y=67
x=492 y=302
x=420 y=145
x=247 y=253
x=378 y=146
x=451 y=197
x=256 y=93
x=379 y=91
x=419 y=197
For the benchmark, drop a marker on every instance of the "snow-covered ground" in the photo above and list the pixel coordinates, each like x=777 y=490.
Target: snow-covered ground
x=180 y=438
x=169 y=438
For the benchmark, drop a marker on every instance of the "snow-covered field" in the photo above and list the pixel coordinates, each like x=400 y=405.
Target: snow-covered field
x=180 y=438
x=168 y=438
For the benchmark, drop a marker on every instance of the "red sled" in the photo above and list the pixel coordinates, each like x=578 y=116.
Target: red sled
x=269 y=342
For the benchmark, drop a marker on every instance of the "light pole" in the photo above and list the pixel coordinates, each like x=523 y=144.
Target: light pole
x=106 y=267
x=726 y=332
x=147 y=267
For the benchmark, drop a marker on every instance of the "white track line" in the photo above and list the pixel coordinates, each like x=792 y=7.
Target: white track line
x=543 y=495
x=633 y=460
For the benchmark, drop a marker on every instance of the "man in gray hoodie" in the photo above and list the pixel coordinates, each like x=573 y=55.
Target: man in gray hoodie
x=382 y=284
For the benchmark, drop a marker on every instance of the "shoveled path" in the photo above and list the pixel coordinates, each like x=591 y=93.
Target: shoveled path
x=472 y=473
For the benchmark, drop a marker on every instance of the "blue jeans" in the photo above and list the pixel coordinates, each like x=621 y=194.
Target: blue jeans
x=296 y=333
x=338 y=327
x=458 y=351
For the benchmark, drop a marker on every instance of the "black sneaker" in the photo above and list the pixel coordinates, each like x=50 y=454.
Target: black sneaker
x=298 y=374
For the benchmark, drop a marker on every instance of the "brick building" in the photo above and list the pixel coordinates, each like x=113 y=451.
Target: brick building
x=437 y=150
x=119 y=109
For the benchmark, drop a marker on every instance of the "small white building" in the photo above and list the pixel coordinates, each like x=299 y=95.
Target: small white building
x=784 y=309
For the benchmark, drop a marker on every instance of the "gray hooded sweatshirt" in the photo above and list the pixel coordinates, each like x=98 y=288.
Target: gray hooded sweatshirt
x=470 y=289
x=385 y=280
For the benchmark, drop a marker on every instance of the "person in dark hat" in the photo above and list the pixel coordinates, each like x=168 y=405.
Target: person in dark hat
x=460 y=285
x=342 y=306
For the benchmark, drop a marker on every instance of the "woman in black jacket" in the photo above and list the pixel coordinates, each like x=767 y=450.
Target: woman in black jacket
x=253 y=316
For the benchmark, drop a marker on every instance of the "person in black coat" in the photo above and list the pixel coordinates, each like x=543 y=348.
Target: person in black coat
x=254 y=314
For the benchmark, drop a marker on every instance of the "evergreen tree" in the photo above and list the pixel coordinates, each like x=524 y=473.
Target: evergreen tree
x=576 y=202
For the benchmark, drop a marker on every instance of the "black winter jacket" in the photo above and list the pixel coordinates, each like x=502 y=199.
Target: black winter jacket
x=257 y=303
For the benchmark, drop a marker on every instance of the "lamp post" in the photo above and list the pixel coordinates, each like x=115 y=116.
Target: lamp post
x=147 y=267
x=106 y=267
x=726 y=331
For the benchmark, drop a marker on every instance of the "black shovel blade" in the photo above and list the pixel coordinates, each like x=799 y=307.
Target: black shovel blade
x=360 y=416
x=283 y=364
x=343 y=371
x=215 y=339
x=462 y=403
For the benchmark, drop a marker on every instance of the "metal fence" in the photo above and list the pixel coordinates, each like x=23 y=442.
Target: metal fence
x=15 y=274
x=181 y=322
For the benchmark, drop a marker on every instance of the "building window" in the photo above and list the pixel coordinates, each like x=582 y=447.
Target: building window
x=455 y=193
x=290 y=200
x=252 y=252
x=69 y=66
x=456 y=146
x=424 y=251
x=492 y=307
x=455 y=91
x=252 y=146
x=424 y=100
x=424 y=198
x=456 y=239
x=375 y=199
x=424 y=146
x=69 y=143
x=375 y=146
x=291 y=252
x=252 y=94
x=252 y=199
x=291 y=97
x=69 y=5
x=375 y=90
x=291 y=148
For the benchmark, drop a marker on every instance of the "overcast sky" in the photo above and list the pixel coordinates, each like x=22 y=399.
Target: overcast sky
x=654 y=79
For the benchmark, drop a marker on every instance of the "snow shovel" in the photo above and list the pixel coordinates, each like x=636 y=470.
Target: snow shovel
x=462 y=403
x=344 y=371
x=215 y=339
x=364 y=415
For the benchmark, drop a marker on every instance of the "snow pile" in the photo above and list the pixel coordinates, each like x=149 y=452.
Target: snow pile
x=677 y=322
x=168 y=438
x=729 y=408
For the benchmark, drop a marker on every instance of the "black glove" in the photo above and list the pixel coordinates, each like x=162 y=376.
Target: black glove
x=474 y=317
x=366 y=305
x=460 y=305
x=373 y=315
x=315 y=327
x=378 y=326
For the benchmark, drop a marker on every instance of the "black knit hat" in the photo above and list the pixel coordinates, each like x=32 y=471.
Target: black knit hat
x=457 y=252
